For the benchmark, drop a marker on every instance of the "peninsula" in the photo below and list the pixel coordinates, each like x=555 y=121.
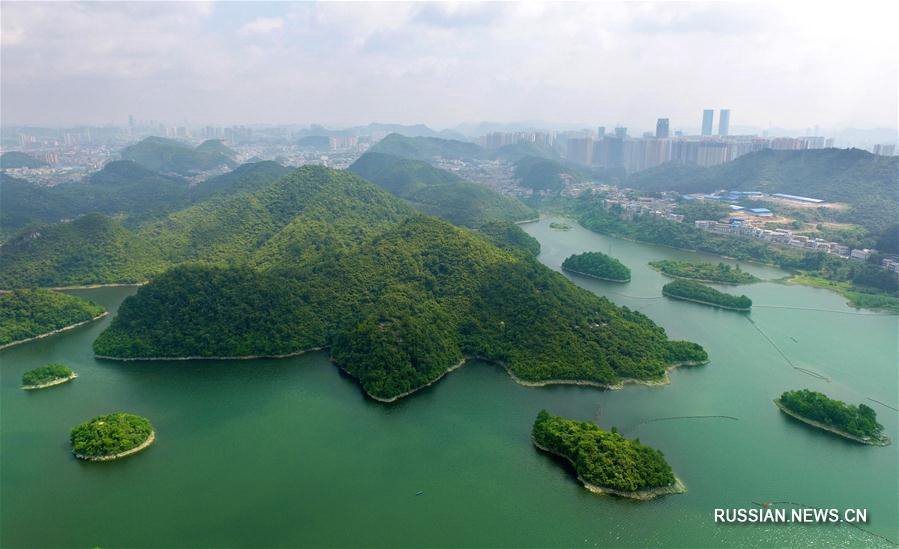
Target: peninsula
x=606 y=462
x=32 y=314
x=110 y=437
x=47 y=376
x=722 y=273
x=597 y=265
x=858 y=423
x=690 y=290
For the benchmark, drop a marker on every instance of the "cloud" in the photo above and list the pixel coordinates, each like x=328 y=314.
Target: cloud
x=262 y=25
x=348 y=63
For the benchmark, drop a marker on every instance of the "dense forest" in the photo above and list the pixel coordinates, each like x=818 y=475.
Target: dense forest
x=109 y=435
x=598 y=265
x=865 y=284
x=695 y=291
x=602 y=458
x=722 y=272
x=46 y=374
x=545 y=174
x=14 y=159
x=397 y=310
x=440 y=193
x=508 y=235
x=860 y=420
x=869 y=183
x=29 y=313
x=169 y=156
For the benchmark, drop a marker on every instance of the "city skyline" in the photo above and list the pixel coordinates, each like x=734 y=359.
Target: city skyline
x=445 y=64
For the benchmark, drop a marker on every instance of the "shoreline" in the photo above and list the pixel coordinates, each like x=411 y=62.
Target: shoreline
x=91 y=286
x=58 y=381
x=709 y=303
x=642 y=495
x=145 y=444
x=883 y=441
x=664 y=380
x=523 y=221
x=660 y=271
x=54 y=332
x=407 y=393
x=597 y=277
x=176 y=358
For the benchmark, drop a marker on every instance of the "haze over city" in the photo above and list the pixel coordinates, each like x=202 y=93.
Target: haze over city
x=564 y=64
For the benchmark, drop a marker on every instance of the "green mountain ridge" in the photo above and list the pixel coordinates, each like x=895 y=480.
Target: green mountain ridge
x=169 y=156
x=14 y=159
x=438 y=192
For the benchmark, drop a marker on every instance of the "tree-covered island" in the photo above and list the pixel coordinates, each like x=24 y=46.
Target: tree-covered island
x=606 y=462
x=29 y=314
x=858 y=423
x=690 y=290
x=114 y=436
x=47 y=376
x=722 y=273
x=597 y=265
x=560 y=226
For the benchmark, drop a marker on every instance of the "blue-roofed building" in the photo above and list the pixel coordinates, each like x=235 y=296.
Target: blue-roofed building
x=798 y=198
x=736 y=208
x=760 y=212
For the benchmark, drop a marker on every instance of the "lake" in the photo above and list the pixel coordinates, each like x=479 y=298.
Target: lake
x=290 y=452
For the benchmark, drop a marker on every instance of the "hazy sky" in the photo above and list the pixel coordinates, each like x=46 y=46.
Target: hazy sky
x=348 y=63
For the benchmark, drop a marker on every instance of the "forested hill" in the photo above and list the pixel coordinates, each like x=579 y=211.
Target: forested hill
x=121 y=187
x=438 y=192
x=311 y=211
x=15 y=159
x=545 y=174
x=170 y=156
x=427 y=148
x=868 y=182
x=398 y=311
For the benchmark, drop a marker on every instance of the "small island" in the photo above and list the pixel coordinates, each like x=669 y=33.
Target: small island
x=606 y=462
x=31 y=314
x=47 y=376
x=560 y=226
x=690 y=290
x=597 y=265
x=722 y=273
x=858 y=423
x=110 y=437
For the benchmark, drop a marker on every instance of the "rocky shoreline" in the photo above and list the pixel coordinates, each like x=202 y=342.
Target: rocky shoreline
x=597 y=277
x=58 y=381
x=882 y=441
x=642 y=495
x=175 y=358
x=145 y=444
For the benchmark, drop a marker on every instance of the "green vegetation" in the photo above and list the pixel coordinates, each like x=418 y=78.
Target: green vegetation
x=694 y=291
x=696 y=210
x=169 y=156
x=860 y=421
x=597 y=265
x=865 y=281
x=709 y=272
x=601 y=458
x=14 y=159
x=865 y=181
x=397 y=310
x=438 y=192
x=508 y=235
x=515 y=152
x=560 y=226
x=427 y=148
x=545 y=174
x=46 y=374
x=29 y=313
x=107 y=436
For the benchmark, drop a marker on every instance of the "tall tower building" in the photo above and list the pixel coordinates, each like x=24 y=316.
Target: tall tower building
x=708 y=120
x=662 y=128
x=620 y=132
x=723 y=121
x=601 y=132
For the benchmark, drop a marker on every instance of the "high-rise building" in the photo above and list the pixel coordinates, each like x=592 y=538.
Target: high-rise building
x=580 y=150
x=662 y=128
x=723 y=121
x=620 y=132
x=600 y=132
x=708 y=120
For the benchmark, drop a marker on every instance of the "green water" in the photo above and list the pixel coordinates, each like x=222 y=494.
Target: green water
x=289 y=452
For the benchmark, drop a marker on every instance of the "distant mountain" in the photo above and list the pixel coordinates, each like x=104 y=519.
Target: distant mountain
x=215 y=146
x=438 y=192
x=868 y=182
x=24 y=203
x=169 y=156
x=427 y=148
x=15 y=159
x=515 y=152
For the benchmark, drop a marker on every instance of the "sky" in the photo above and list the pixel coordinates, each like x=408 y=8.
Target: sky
x=789 y=65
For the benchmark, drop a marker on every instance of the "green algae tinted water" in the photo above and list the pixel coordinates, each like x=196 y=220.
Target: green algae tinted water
x=278 y=453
